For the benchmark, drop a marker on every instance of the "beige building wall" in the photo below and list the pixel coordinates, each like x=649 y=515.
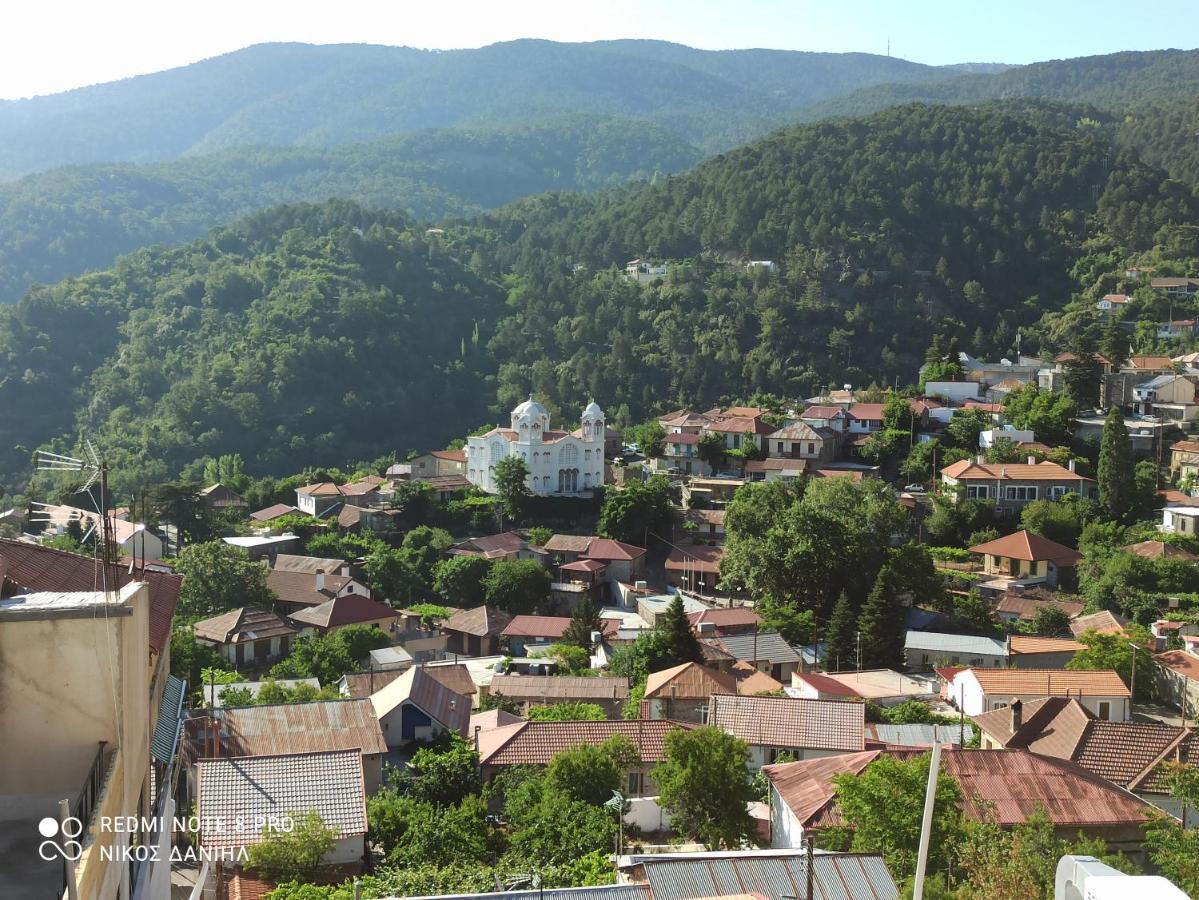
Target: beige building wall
x=71 y=677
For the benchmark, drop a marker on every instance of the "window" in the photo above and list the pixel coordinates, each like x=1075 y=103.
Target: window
x=998 y=704
x=568 y=455
x=780 y=447
x=1014 y=492
x=811 y=449
x=1057 y=492
x=497 y=451
x=1105 y=710
x=634 y=784
x=978 y=491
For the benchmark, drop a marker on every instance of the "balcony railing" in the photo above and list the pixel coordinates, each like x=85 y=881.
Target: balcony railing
x=85 y=802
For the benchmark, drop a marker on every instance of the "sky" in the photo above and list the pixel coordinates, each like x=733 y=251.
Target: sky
x=55 y=45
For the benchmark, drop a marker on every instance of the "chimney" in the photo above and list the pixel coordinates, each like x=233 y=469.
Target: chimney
x=1070 y=465
x=1032 y=460
x=320 y=579
x=980 y=459
x=216 y=738
x=1017 y=709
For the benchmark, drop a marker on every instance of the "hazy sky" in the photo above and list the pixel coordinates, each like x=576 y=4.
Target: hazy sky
x=53 y=45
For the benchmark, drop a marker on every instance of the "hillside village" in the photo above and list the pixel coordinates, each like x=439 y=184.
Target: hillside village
x=708 y=637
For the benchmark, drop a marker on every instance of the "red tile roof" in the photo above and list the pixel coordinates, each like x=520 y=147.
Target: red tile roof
x=348 y=609
x=548 y=626
x=320 y=489
x=867 y=412
x=791 y=722
x=1104 y=622
x=968 y=470
x=695 y=558
x=822 y=412
x=480 y=621
x=826 y=685
x=35 y=568
x=536 y=743
x=450 y=455
x=274 y=512
x=1051 y=682
x=725 y=618
x=1025 y=545
x=300 y=587
x=1185 y=664
x=607 y=549
x=1028 y=607
x=1159 y=549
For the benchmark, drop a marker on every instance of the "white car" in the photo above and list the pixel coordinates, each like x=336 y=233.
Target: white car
x=914 y=488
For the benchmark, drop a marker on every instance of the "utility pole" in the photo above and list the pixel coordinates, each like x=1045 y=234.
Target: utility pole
x=859 y=634
x=926 y=826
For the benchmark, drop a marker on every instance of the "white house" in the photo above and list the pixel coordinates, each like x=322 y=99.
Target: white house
x=561 y=463
x=987 y=439
x=953 y=391
x=1180 y=520
x=1101 y=691
x=925 y=650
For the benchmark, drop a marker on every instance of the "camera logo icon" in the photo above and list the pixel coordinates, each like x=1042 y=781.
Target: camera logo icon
x=67 y=846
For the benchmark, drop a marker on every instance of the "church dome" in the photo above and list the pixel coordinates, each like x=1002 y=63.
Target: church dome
x=593 y=411
x=530 y=408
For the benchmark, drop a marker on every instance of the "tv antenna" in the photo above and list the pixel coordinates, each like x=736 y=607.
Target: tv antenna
x=96 y=470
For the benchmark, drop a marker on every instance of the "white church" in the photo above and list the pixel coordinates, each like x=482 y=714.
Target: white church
x=568 y=463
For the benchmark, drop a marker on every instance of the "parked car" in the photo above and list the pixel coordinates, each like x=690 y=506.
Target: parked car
x=914 y=488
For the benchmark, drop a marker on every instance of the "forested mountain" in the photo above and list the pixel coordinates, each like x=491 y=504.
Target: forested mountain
x=1151 y=95
x=915 y=221
x=70 y=220
x=303 y=333
x=327 y=333
x=303 y=95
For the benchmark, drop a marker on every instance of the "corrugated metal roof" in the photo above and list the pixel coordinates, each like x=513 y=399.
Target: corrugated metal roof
x=559 y=687
x=967 y=644
x=765 y=645
x=836 y=877
x=301 y=728
x=919 y=735
x=165 y=740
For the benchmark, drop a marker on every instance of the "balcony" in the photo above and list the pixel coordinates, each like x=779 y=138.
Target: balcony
x=23 y=871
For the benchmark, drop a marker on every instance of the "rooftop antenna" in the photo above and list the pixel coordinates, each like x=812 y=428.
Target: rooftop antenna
x=96 y=470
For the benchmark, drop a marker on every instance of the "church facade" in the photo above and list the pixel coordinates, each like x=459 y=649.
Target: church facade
x=561 y=463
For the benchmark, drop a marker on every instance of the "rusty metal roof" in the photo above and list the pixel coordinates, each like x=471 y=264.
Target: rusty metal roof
x=559 y=687
x=835 y=876
x=536 y=743
x=299 y=728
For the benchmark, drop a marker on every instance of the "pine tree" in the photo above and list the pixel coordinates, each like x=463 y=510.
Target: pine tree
x=881 y=624
x=583 y=621
x=1116 y=475
x=840 y=641
x=1082 y=373
x=681 y=645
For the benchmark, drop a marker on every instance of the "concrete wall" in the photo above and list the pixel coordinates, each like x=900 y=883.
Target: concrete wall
x=646 y=814
x=786 y=832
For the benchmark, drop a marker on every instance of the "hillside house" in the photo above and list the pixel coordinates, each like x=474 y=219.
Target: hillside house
x=925 y=650
x=804 y=728
x=1182 y=520
x=799 y=440
x=475 y=632
x=1005 y=787
x=437 y=463
x=682 y=693
x=1184 y=460
x=1176 y=287
x=342 y=612
x=1024 y=559
x=1112 y=304
x=1125 y=753
x=418 y=707
x=528 y=691
x=247 y=636
x=1013 y=485
x=1101 y=691
x=1166 y=396
x=834 y=418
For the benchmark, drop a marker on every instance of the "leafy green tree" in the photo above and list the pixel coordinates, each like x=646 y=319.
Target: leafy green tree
x=444 y=774
x=218 y=577
x=511 y=480
x=539 y=535
x=1045 y=413
x=1048 y=620
x=650 y=652
x=1116 y=478
x=650 y=436
x=679 y=640
x=881 y=624
x=711 y=449
x=328 y=657
x=190 y=658
x=413 y=832
x=964 y=427
x=885 y=807
x=840 y=639
x=576 y=711
x=703 y=782
x=423 y=547
x=584 y=620
x=393 y=575
x=296 y=853
x=794 y=624
x=1059 y=520
x=636 y=511
x=1120 y=651
x=459 y=580
x=517 y=586
x=1174 y=850
x=1082 y=373
x=181 y=505
x=590 y=773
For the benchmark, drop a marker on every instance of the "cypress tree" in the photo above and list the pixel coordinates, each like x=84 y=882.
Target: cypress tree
x=1116 y=473
x=881 y=624
x=681 y=645
x=583 y=621
x=840 y=641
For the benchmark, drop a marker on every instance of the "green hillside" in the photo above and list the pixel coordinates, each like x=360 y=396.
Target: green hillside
x=321 y=334
x=303 y=95
x=70 y=220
